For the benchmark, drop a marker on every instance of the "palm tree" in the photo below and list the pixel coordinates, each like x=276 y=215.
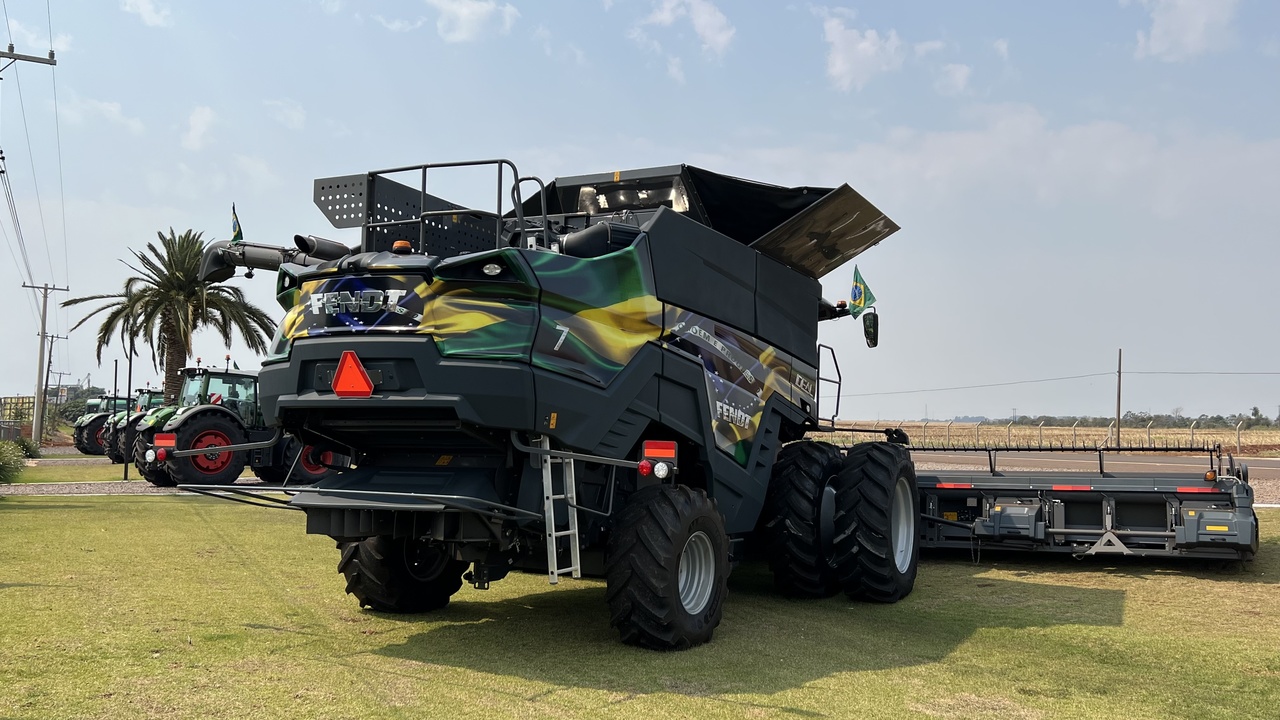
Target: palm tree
x=166 y=302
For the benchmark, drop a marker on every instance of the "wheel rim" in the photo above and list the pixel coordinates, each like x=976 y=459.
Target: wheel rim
x=311 y=467
x=904 y=536
x=697 y=572
x=98 y=436
x=423 y=561
x=211 y=463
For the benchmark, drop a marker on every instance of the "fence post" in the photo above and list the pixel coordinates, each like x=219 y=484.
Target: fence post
x=1193 y=431
x=1238 y=436
x=1110 y=425
x=1041 y=433
x=924 y=434
x=1008 y=433
x=1073 y=433
x=976 y=440
x=949 y=433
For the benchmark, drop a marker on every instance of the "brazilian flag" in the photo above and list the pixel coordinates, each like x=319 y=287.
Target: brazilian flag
x=861 y=297
x=236 y=235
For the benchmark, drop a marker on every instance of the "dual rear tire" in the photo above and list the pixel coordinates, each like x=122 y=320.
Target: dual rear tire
x=843 y=522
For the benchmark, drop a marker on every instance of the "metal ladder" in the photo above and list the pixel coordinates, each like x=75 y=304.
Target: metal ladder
x=549 y=498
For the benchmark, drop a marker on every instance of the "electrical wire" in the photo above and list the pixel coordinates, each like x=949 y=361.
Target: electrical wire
x=974 y=387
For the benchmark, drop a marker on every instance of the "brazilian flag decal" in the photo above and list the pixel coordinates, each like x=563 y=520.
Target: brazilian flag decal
x=861 y=297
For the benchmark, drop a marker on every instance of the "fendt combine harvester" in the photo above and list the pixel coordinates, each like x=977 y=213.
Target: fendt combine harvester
x=597 y=382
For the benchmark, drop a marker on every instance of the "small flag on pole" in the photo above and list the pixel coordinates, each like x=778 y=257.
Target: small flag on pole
x=861 y=297
x=236 y=235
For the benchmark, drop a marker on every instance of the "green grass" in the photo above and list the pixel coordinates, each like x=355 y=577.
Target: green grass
x=94 y=472
x=180 y=607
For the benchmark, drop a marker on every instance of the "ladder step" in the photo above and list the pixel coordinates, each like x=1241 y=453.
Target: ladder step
x=562 y=533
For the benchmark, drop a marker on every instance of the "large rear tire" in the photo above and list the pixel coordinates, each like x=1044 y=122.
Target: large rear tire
x=109 y=433
x=668 y=568
x=214 y=468
x=397 y=575
x=154 y=473
x=77 y=439
x=877 y=523
x=124 y=439
x=93 y=436
x=798 y=519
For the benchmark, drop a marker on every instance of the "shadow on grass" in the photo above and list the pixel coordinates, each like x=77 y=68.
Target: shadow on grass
x=766 y=643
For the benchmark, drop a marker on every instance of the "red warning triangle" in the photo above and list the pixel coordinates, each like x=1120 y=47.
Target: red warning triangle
x=350 y=379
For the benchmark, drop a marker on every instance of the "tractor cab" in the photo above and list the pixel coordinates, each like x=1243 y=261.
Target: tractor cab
x=234 y=390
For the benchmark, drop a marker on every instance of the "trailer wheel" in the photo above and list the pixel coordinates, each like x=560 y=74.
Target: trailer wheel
x=307 y=471
x=667 y=568
x=92 y=433
x=213 y=468
x=154 y=473
x=398 y=575
x=798 y=519
x=877 y=523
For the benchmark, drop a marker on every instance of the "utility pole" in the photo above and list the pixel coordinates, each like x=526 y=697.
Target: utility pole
x=37 y=421
x=48 y=368
x=1119 y=372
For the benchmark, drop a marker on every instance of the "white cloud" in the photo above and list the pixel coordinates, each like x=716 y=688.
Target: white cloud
x=25 y=37
x=953 y=79
x=400 y=25
x=153 y=14
x=287 y=112
x=464 y=20
x=255 y=173
x=642 y=39
x=711 y=26
x=1183 y=29
x=1002 y=48
x=675 y=69
x=928 y=47
x=198 y=125
x=855 y=56
x=78 y=110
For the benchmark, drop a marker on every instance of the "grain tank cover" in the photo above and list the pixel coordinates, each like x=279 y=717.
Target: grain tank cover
x=812 y=230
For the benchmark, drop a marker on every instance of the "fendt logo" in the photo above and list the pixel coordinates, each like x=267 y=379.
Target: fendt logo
x=332 y=303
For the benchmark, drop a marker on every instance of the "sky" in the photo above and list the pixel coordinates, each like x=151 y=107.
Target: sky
x=1071 y=178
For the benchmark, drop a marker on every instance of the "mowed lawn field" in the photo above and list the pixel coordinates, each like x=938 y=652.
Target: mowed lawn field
x=184 y=607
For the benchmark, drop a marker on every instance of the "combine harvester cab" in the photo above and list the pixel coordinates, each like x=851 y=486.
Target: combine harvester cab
x=1204 y=515
x=597 y=381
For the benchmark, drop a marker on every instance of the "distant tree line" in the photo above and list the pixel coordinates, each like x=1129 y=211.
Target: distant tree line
x=1252 y=419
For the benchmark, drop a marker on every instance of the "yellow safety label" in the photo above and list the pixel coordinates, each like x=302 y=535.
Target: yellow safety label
x=553 y=421
x=951 y=516
x=1218 y=528
x=997 y=508
x=1191 y=513
x=444 y=460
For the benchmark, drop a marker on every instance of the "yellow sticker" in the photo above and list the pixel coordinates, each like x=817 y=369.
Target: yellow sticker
x=950 y=516
x=617 y=175
x=1191 y=513
x=553 y=421
x=444 y=460
x=1218 y=528
x=997 y=508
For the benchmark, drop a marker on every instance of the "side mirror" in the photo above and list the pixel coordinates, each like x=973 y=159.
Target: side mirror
x=871 y=328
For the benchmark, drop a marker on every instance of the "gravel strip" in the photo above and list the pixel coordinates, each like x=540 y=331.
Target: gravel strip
x=133 y=487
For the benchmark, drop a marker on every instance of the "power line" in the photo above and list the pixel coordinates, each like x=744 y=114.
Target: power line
x=974 y=387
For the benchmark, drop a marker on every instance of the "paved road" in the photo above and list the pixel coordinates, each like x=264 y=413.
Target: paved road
x=1259 y=468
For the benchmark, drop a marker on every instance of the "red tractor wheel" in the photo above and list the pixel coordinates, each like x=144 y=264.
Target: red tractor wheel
x=209 y=431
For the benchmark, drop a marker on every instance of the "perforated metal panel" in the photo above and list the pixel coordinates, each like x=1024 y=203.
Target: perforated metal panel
x=342 y=199
x=358 y=200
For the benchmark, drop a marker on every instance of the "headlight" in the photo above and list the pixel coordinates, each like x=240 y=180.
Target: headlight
x=150 y=456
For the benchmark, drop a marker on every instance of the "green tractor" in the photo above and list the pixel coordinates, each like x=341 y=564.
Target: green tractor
x=121 y=428
x=217 y=408
x=89 y=428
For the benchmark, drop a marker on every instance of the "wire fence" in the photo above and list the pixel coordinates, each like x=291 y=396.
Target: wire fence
x=944 y=434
